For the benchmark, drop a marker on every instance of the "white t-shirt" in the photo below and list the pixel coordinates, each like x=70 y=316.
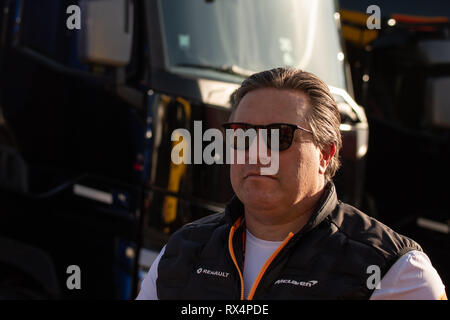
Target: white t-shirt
x=412 y=277
x=257 y=251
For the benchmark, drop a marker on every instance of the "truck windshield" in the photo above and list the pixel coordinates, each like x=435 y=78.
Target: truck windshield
x=228 y=38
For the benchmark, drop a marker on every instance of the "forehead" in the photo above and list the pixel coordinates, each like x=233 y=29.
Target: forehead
x=270 y=105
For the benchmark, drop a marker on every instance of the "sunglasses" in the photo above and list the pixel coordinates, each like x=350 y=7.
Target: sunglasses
x=285 y=130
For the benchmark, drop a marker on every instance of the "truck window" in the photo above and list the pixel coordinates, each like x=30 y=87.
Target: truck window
x=253 y=35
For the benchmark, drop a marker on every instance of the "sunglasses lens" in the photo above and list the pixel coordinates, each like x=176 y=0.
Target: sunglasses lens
x=241 y=138
x=285 y=134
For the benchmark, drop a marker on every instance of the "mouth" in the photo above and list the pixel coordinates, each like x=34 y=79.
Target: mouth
x=254 y=175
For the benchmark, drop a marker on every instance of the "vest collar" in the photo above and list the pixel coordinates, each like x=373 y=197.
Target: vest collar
x=325 y=206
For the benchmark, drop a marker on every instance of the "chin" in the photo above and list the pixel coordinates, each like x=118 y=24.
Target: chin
x=261 y=200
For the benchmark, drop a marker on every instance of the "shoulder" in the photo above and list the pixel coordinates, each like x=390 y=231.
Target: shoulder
x=412 y=277
x=197 y=233
x=201 y=242
x=358 y=227
x=201 y=226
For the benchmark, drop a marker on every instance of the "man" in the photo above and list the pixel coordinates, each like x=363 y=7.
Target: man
x=287 y=236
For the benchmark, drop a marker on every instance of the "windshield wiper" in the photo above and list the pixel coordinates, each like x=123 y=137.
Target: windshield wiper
x=233 y=69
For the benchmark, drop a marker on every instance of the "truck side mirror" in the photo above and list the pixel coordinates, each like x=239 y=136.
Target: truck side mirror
x=438 y=101
x=106 y=32
x=436 y=53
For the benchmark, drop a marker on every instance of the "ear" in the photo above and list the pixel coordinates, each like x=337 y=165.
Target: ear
x=326 y=154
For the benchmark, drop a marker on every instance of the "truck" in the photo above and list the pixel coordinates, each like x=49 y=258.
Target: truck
x=91 y=91
x=401 y=74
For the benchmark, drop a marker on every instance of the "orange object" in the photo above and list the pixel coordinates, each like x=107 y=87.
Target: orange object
x=419 y=19
x=266 y=265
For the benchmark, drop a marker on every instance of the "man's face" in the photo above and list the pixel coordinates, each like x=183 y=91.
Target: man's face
x=300 y=173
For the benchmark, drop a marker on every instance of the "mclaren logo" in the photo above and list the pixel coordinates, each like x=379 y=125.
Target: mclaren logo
x=213 y=273
x=308 y=284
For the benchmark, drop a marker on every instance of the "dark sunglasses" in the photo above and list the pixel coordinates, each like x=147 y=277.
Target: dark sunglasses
x=286 y=134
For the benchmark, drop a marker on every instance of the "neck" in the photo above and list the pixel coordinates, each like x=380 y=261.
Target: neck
x=275 y=225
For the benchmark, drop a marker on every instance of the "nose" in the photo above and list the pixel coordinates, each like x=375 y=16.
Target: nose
x=258 y=152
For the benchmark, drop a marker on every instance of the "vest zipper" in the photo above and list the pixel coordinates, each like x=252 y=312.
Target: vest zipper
x=266 y=265
x=233 y=257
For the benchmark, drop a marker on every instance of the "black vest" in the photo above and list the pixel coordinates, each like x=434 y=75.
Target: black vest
x=329 y=258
